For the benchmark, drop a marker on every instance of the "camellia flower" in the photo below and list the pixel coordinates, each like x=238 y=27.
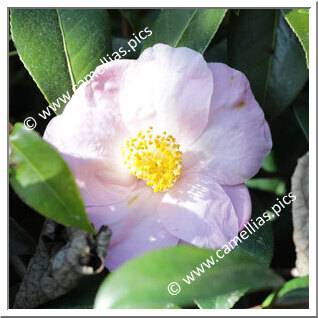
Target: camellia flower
x=161 y=147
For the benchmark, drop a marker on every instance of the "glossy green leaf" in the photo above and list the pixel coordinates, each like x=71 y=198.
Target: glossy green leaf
x=192 y=28
x=225 y=301
x=143 y=282
x=20 y=242
x=298 y=20
x=294 y=290
x=60 y=47
x=43 y=180
x=87 y=39
x=265 y=49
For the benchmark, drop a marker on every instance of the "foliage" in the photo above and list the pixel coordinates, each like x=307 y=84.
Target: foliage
x=143 y=282
x=48 y=188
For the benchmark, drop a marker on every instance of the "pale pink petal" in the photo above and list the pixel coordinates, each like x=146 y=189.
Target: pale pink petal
x=241 y=201
x=89 y=135
x=198 y=211
x=107 y=215
x=135 y=225
x=100 y=181
x=169 y=89
x=237 y=138
x=91 y=125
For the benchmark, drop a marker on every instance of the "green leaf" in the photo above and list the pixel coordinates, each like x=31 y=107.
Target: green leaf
x=222 y=301
x=264 y=48
x=298 y=20
x=20 y=242
x=192 y=28
x=43 y=180
x=259 y=244
x=294 y=290
x=143 y=282
x=273 y=185
x=60 y=47
x=87 y=38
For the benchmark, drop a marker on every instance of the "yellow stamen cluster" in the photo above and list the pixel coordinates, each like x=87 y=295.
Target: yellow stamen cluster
x=156 y=159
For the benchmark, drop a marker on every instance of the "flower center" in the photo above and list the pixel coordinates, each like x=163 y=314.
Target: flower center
x=156 y=159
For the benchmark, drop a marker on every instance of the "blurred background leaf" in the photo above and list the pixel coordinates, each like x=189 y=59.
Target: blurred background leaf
x=139 y=19
x=217 y=53
x=43 y=180
x=274 y=185
x=301 y=109
x=265 y=49
x=302 y=115
x=119 y=42
x=20 y=242
x=289 y=143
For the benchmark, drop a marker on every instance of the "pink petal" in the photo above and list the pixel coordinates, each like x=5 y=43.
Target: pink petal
x=100 y=181
x=89 y=134
x=135 y=225
x=169 y=89
x=241 y=202
x=237 y=138
x=90 y=125
x=198 y=211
